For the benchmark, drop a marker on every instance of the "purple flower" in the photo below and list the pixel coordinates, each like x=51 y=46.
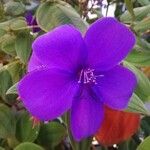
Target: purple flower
x=68 y=71
x=31 y=21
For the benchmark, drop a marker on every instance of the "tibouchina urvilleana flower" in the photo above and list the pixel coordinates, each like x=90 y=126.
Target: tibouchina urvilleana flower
x=31 y=21
x=117 y=126
x=68 y=71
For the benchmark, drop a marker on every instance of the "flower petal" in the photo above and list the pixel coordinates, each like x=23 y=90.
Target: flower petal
x=117 y=126
x=108 y=42
x=62 y=48
x=29 y=17
x=34 y=63
x=47 y=93
x=86 y=116
x=116 y=87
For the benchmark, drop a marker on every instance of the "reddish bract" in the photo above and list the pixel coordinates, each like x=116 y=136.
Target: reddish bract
x=117 y=127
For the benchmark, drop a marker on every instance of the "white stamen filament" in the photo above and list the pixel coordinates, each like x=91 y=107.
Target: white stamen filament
x=87 y=76
x=80 y=77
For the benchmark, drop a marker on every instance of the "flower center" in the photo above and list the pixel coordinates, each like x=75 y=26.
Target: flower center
x=87 y=76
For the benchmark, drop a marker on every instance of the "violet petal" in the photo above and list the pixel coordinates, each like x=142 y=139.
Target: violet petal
x=108 y=42
x=116 y=87
x=47 y=93
x=86 y=116
x=29 y=18
x=62 y=48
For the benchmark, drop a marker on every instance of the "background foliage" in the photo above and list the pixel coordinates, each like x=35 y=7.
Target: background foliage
x=18 y=130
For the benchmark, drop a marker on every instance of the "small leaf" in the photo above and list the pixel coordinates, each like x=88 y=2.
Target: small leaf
x=51 y=134
x=5 y=82
x=140 y=13
x=8 y=44
x=28 y=146
x=15 y=70
x=143 y=25
x=8 y=122
x=143 y=87
x=18 y=24
x=12 y=89
x=23 y=46
x=25 y=131
x=53 y=14
x=144 y=2
x=13 y=24
x=137 y=106
x=145 y=145
x=137 y=53
x=143 y=44
x=14 y=8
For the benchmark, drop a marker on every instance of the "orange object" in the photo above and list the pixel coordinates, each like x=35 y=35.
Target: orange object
x=117 y=127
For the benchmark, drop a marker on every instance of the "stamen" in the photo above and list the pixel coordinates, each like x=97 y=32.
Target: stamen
x=85 y=78
x=80 y=77
x=88 y=76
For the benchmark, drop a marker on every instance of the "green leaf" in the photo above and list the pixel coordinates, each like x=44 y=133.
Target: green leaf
x=143 y=25
x=8 y=122
x=14 y=8
x=143 y=44
x=145 y=145
x=129 y=6
x=139 y=57
x=144 y=2
x=140 y=13
x=15 y=70
x=23 y=46
x=51 y=134
x=8 y=44
x=28 y=146
x=14 y=24
x=143 y=87
x=5 y=82
x=53 y=14
x=25 y=131
x=137 y=106
x=18 y=24
x=12 y=89
x=1 y=148
x=145 y=125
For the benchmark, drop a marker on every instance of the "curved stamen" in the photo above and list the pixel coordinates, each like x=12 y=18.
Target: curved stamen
x=88 y=76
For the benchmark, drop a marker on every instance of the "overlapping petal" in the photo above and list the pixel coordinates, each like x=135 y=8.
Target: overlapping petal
x=108 y=42
x=47 y=93
x=34 y=63
x=116 y=87
x=117 y=126
x=86 y=116
x=62 y=48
